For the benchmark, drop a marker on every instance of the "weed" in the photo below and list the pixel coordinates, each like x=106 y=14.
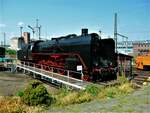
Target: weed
x=84 y=97
x=111 y=92
x=115 y=91
x=92 y=89
x=68 y=99
x=122 y=79
x=63 y=91
x=125 y=88
x=15 y=105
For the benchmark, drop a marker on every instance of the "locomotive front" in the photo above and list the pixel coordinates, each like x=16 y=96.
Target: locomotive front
x=103 y=59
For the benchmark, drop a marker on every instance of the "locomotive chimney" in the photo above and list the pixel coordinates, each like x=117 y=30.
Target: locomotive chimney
x=84 y=32
x=26 y=37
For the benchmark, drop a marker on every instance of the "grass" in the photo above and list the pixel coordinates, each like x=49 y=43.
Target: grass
x=116 y=91
x=65 y=97
x=132 y=101
x=72 y=98
x=15 y=105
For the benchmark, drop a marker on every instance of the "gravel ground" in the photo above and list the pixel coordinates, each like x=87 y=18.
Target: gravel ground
x=11 y=83
x=137 y=102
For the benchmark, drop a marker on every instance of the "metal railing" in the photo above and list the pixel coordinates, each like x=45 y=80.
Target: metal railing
x=51 y=72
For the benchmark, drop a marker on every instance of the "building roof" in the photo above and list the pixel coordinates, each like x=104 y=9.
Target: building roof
x=128 y=57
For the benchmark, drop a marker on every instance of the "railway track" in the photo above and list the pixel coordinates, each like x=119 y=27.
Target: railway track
x=141 y=77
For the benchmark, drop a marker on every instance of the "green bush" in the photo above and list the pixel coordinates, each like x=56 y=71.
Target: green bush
x=92 y=89
x=20 y=93
x=11 y=52
x=36 y=94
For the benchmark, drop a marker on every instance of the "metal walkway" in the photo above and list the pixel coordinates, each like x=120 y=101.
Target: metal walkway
x=66 y=80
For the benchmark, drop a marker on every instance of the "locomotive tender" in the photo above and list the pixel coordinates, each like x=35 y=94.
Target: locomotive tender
x=94 y=55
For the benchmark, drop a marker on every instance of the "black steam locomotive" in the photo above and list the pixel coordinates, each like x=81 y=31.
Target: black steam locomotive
x=94 y=55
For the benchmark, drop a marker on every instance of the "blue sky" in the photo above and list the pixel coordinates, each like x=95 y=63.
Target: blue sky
x=62 y=17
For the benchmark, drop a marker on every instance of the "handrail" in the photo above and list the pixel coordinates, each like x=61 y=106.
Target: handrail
x=73 y=83
x=58 y=69
x=64 y=79
x=52 y=72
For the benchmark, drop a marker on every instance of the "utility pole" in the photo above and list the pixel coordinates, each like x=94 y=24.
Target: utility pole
x=4 y=39
x=38 y=29
x=3 y=43
x=115 y=31
x=39 y=32
x=115 y=38
x=21 y=31
x=116 y=34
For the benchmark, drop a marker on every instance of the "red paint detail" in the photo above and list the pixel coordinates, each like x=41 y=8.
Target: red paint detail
x=55 y=56
x=102 y=70
x=86 y=78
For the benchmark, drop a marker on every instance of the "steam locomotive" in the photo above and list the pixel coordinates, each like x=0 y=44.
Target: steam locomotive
x=95 y=56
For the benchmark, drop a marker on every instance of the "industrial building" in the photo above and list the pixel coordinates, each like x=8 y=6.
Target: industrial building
x=18 y=42
x=134 y=48
x=141 y=48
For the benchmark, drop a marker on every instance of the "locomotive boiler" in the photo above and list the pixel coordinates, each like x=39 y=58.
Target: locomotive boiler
x=96 y=56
